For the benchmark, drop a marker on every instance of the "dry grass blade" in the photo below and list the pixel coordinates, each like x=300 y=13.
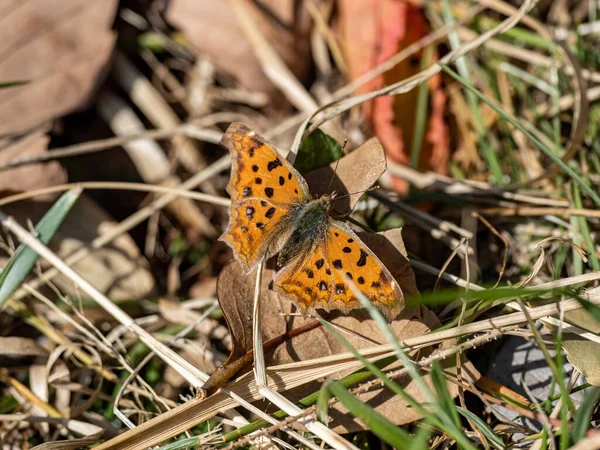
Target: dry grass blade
x=271 y=63
x=183 y=417
x=295 y=374
x=133 y=302
x=260 y=377
x=188 y=371
x=187 y=129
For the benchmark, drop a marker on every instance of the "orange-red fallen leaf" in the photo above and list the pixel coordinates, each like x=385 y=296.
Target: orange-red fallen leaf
x=372 y=32
x=213 y=30
x=60 y=49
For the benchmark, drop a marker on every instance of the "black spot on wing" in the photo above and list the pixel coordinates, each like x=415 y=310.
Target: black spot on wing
x=274 y=164
x=281 y=181
x=254 y=168
x=322 y=285
x=337 y=264
x=258 y=180
x=360 y=280
x=347 y=250
x=270 y=212
x=269 y=192
x=320 y=263
x=249 y=212
x=247 y=191
x=363 y=258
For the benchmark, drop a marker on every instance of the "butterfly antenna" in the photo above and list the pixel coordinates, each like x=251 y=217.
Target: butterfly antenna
x=372 y=188
x=336 y=165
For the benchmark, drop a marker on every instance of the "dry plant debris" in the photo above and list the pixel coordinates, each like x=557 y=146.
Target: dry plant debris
x=462 y=140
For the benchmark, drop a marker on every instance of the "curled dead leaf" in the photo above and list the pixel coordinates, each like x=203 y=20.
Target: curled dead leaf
x=356 y=172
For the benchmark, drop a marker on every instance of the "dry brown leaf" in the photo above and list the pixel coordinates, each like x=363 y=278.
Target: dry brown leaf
x=60 y=49
x=214 y=31
x=33 y=176
x=117 y=270
x=355 y=172
x=235 y=293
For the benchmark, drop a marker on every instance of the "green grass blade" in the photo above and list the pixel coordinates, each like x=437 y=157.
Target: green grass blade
x=348 y=381
x=447 y=424
x=593 y=310
x=323 y=404
x=421 y=439
x=187 y=443
x=547 y=151
x=421 y=112
x=9 y=84
x=583 y=416
x=379 y=425
x=24 y=258
x=482 y=426
x=387 y=381
x=585 y=231
x=480 y=128
x=444 y=398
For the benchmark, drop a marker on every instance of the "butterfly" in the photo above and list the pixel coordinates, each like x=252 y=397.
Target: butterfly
x=272 y=212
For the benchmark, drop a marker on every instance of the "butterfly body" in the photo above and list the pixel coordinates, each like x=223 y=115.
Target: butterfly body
x=272 y=212
x=310 y=223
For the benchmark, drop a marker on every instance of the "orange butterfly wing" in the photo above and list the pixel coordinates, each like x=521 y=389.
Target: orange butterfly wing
x=263 y=188
x=321 y=279
x=259 y=171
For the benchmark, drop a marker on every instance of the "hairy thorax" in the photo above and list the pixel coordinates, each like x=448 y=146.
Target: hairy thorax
x=310 y=225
